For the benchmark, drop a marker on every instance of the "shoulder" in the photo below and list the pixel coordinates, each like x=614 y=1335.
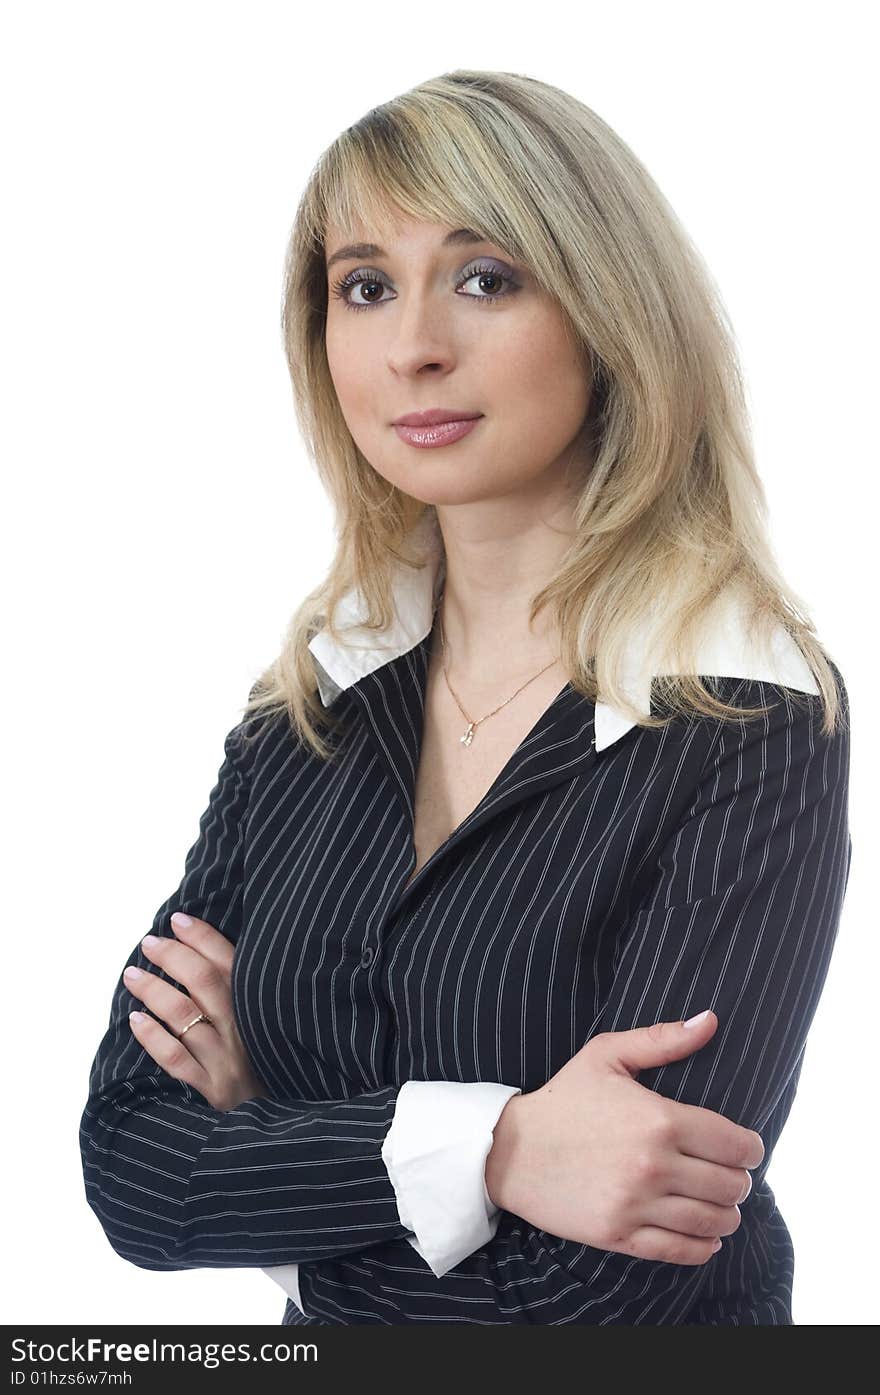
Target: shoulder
x=739 y=661
x=731 y=645
x=740 y=655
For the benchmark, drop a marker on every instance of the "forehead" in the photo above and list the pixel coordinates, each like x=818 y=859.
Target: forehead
x=410 y=238
x=386 y=230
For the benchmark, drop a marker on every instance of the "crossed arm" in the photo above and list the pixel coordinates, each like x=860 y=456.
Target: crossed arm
x=742 y=918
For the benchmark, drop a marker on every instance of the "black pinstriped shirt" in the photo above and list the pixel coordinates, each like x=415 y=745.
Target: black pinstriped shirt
x=589 y=890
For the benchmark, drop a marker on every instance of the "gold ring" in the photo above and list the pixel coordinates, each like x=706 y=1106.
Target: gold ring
x=202 y=1017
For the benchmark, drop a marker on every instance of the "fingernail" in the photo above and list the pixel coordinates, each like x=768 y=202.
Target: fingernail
x=150 y=940
x=137 y=1017
x=180 y=919
x=693 y=1021
x=132 y=973
x=716 y=1247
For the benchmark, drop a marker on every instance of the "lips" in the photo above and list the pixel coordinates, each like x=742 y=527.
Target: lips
x=443 y=434
x=435 y=416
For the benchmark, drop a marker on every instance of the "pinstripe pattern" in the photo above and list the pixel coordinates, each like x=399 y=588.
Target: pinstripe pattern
x=701 y=866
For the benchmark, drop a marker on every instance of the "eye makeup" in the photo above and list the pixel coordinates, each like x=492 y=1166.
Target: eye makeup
x=483 y=268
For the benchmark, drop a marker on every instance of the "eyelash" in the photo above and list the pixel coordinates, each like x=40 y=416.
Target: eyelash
x=341 y=287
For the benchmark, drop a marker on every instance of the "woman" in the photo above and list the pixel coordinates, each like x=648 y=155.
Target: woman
x=553 y=756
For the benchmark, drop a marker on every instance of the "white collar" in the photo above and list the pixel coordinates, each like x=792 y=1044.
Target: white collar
x=727 y=649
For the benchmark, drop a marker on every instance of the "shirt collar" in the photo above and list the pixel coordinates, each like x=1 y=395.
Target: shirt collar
x=726 y=650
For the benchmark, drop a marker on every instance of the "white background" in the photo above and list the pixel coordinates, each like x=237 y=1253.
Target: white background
x=162 y=520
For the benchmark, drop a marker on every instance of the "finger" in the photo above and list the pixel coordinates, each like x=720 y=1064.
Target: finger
x=708 y=1181
x=206 y=939
x=653 y=1242
x=702 y=1220
x=704 y=1134
x=171 y=1054
x=164 y=1000
x=203 y=981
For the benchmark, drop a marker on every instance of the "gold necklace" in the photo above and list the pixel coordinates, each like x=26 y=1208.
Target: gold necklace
x=472 y=725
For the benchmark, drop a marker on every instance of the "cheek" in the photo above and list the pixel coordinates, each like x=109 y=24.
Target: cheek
x=351 y=378
x=340 y=360
x=546 y=386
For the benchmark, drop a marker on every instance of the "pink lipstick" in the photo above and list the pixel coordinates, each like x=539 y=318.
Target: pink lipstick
x=441 y=434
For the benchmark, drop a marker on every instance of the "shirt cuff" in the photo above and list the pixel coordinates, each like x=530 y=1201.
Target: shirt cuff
x=287 y=1275
x=435 y=1152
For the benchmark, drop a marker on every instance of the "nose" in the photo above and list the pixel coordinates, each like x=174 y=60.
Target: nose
x=423 y=336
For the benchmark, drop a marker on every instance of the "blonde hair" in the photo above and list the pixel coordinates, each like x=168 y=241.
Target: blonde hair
x=672 y=505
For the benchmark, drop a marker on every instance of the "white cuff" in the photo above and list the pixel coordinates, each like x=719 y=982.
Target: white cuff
x=435 y=1152
x=287 y=1275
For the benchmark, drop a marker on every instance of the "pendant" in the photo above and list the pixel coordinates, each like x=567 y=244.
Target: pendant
x=468 y=736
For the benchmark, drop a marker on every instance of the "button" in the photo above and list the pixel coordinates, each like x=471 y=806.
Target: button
x=367 y=957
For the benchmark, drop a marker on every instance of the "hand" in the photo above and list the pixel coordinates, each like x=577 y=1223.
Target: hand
x=211 y=1058
x=594 y=1157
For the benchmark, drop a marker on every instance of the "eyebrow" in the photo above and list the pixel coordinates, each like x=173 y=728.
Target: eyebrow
x=369 y=249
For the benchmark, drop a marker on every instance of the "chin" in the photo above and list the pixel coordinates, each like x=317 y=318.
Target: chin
x=448 y=492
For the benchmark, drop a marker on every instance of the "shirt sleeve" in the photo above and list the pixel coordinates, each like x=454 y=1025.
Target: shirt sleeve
x=741 y=917
x=178 y=1184
x=435 y=1153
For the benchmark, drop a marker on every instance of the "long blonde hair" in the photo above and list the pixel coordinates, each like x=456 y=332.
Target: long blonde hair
x=672 y=505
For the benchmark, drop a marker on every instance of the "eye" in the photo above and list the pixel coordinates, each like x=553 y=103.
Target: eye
x=343 y=288
x=489 y=273
x=367 y=277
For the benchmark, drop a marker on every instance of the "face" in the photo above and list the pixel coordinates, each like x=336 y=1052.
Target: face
x=428 y=323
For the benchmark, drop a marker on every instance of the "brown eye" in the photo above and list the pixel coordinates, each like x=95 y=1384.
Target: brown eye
x=485 y=272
